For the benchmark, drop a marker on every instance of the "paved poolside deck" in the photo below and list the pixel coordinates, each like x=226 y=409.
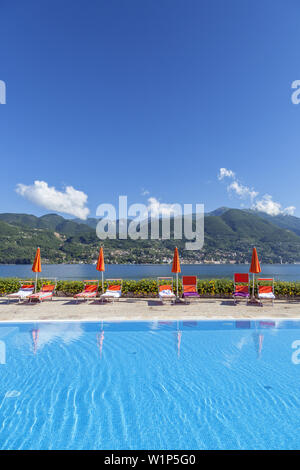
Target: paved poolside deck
x=143 y=309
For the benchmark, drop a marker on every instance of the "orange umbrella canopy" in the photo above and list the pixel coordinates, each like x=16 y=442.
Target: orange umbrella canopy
x=36 y=267
x=100 y=264
x=176 y=263
x=255 y=266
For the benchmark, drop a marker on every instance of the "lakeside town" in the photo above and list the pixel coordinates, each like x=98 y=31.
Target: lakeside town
x=228 y=237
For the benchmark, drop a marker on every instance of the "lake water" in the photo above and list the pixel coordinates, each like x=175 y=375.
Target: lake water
x=282 y=272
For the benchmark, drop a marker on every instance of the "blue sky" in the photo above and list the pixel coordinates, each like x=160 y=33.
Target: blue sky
x=125 y=97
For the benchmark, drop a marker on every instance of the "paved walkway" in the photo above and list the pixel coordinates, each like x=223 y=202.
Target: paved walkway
x=143 y=309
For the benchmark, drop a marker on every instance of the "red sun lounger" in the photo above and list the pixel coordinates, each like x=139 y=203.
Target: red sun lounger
x=46 y=293
x=241 y=287
x=189 y=285
x=89 y=292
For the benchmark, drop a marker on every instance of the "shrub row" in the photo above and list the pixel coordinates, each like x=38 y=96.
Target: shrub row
x=149 y=288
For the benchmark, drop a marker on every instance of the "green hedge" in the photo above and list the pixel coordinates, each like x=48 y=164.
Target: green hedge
x=149 y=288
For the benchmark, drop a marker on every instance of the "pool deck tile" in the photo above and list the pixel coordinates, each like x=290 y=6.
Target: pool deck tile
x=65 y=309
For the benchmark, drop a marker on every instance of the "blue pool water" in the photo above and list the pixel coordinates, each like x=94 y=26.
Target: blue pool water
x=159 y=385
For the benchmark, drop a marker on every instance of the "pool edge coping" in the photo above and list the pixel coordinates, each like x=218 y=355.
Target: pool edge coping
x=87 y=320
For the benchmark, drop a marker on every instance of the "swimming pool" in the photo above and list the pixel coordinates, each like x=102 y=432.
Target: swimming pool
x=158 y=385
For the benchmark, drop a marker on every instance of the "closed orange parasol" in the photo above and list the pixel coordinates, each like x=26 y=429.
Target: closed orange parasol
x=255 y=266
x=100 y=265
x=255 y=269
x=37 y=267
x=176 y=267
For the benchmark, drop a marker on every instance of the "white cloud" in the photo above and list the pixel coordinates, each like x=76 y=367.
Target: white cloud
x=58 y=331
x=264 y=204
x=70 y=201
x=290 y=210
x=158 y=208
x=225 y=173
x=267 y=205
x=242 y=191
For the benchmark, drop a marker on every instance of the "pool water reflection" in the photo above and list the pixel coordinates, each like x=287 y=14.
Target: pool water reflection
x=157 y=385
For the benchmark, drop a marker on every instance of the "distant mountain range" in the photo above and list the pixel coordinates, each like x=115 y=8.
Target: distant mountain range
x=230 y=235
x=288 y=222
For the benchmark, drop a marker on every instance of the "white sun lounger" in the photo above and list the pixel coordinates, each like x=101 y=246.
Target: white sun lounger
x=23 y=293
x=266 y=292
x=165 y=290
x=113 y=291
